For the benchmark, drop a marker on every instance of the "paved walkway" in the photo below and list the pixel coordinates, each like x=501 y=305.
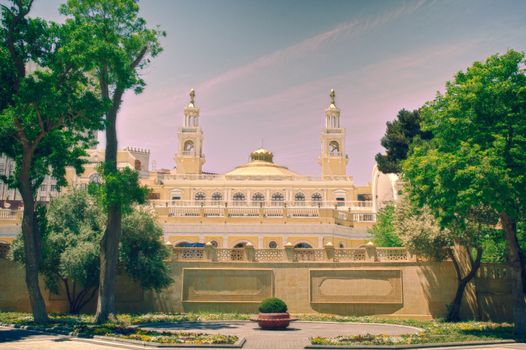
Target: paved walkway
x=295 y=338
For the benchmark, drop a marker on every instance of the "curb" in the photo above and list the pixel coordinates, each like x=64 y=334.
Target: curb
x=412 y=346
x=122 y=343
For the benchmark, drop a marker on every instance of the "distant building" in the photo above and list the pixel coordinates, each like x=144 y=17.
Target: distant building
x=260 y=202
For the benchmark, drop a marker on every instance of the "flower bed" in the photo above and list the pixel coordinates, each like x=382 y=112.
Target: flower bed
x=434 y=333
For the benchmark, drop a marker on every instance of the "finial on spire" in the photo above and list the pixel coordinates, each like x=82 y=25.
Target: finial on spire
x=192 y=96
x=332 y=95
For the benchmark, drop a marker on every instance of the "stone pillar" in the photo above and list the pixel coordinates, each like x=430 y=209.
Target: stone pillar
x=329 y=250
x=250 y=252
x=289 y=251
x=370 y=251
x=210 y=251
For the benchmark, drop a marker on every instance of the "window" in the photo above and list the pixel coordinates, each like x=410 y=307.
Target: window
x=239 y=198
x=188 y=148
x=258 y=198
x=53 y=188
x=272 y=245
x=334 y=148
x=200 y=197
x=299 y=198
x=364 y=197
x=303 y=246
x=341 y=245
x=214 y=244
x=43 y=188
x=277 y=199
x=316 y=199
x=217 y=198
x=240 y=245
x=340 y=201
x=95 y=178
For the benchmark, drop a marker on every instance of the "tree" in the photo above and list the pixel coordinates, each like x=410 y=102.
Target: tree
x=400 y=134
x=121 y=47
x=72 y=228
x=462 y=242
x=46 y=117
x=383 y=231
x=478 y=154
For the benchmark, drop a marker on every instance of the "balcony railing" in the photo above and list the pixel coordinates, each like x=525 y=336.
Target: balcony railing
x=368 y=253
x=342 y=205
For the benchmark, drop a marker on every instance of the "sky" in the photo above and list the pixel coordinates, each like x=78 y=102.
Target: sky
x=262 y=71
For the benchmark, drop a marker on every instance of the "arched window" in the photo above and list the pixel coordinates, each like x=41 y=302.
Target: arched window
x=299 y=199
x=316 y=199
x=217 y=198
x=200 y=197
x=239 y=198
x=240 y=245
x=342 y=245
x=272 y=245
x=334 y=148
x=277 y=199
x=214 y=244
x=138 y=165
x=188 y=147
x=303 y=245
x=257 y=198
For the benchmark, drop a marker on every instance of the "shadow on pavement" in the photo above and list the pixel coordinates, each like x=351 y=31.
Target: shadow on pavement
x=192 y=325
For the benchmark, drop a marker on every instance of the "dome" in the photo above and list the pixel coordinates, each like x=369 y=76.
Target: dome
x=261 y=164
x=262 y=154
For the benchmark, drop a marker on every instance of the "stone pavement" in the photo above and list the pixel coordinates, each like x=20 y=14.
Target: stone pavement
x=295 y=338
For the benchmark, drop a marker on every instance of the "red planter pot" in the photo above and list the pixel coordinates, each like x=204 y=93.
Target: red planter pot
x=273 y=321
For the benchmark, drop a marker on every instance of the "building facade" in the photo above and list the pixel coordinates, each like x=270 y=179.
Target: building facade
x=259 y=203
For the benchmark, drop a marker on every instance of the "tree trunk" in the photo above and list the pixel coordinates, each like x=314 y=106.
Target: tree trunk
x=453 y=314
x=32 y=240
x=109 y=245
x=516 y=266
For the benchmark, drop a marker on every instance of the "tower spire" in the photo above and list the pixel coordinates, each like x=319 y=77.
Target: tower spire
x=192 y=98
x=333 y=96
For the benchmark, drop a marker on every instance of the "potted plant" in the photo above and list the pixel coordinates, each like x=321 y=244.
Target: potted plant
x=273 y=314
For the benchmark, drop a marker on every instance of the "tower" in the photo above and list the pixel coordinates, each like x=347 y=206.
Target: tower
x=333 y=159
x=190 y=158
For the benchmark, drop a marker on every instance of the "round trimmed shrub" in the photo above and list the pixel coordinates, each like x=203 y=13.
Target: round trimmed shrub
x=272 y=305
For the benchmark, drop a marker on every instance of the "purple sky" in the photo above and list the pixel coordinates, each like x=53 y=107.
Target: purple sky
x=263 y=70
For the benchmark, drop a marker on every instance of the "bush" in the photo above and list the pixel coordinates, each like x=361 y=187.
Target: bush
x=272 y=305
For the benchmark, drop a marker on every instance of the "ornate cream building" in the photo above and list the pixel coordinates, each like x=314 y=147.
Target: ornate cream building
x=260 y=203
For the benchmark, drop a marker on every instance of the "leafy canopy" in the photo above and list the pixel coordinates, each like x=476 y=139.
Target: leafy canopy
x=478 y=152
x=383 y=231
x=48 y=104
x=399 y=136
x=72 y=229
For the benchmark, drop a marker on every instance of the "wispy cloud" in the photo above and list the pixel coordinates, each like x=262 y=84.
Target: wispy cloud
x=313 y=43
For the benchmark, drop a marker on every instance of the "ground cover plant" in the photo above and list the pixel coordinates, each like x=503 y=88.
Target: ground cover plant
x=84 y=326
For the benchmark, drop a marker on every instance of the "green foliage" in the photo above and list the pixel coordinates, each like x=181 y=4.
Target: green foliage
x=272 y=305
x=120 y=40
x=419 y=231
x=400 y=134
x=70 y=255
x=383 y=231
x=48 y=112
x=120 y=188
x=143 y=251
x=478 y=152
